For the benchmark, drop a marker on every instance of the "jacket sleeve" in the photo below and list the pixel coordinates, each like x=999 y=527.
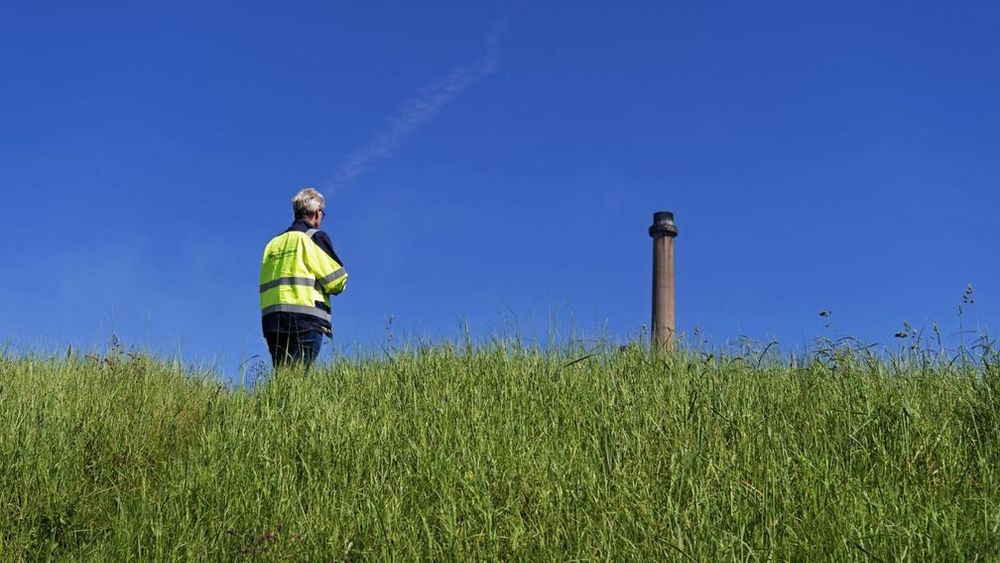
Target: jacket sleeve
x=323 y=241
x=326 y=265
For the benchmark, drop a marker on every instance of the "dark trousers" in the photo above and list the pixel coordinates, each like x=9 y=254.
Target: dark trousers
x=294 y=347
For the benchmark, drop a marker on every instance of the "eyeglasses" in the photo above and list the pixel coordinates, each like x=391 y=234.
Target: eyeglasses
x=323 y=211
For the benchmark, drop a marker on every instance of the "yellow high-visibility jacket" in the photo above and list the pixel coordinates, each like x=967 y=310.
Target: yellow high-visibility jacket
x=298 y=274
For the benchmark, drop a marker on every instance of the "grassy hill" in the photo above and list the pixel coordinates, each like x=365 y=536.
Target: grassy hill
x=504 y=453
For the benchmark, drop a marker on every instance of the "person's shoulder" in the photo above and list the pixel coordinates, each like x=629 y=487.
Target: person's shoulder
x=321 y=235
x=323 y=241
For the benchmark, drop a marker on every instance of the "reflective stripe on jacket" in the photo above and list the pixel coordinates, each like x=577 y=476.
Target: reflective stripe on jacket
x=297 y=277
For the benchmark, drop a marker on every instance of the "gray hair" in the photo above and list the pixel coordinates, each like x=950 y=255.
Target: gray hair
x=307 y=202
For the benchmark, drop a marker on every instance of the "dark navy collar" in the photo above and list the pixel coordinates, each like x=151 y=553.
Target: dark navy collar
x=300 y=225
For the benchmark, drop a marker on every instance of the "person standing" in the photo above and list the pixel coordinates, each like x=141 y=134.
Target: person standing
x=298 y=274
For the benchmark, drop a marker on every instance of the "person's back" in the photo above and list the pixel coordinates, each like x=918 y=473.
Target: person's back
x=299 y=272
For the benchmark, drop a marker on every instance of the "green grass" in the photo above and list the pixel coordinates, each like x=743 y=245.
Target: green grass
x=502 y=453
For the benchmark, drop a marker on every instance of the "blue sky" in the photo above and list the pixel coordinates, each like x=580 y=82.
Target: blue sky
x=837 y=156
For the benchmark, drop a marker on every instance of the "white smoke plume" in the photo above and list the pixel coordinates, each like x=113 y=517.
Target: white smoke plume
x=419 y=109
